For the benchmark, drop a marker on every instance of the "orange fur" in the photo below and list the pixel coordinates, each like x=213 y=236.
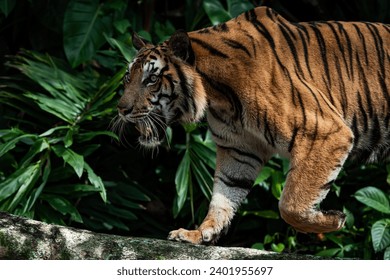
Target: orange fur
x=317 y=93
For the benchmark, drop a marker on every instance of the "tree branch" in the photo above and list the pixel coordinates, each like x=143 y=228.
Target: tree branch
x=22 y=238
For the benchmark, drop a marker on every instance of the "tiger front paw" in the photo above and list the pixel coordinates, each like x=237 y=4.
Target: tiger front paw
x=205 y=236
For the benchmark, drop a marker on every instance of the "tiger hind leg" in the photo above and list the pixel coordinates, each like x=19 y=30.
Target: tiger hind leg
x=314 y=166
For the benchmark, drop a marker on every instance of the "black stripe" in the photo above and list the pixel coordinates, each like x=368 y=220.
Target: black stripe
x=220 y=117
x=302 y=27
x=236 y=45
x=267 y=131
x=341 y=48
x=384 y=89
x=288 y=29
x=243 y=154
x=231 y=181
x=254 y=48
x=208 y=47
x=188 y=102
x=349 y=46
x=355 y=130
x=366 y=89
x=378 y=46
x=376 y=134
x=314 y=135
x=342 y=91
x=260 y=27
x=322 y=45
x=387 y=124
x=363 y=40
x=289 y=36
x=214 y=133
x=305 y=51
x=292 y=140
x=363 y=112
x=227 y=92
x=302 y=107
x=169 y=78
x=314 y=95
x=223 y=27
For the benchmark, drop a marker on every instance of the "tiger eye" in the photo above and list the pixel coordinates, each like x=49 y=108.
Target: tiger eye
x=153 y=78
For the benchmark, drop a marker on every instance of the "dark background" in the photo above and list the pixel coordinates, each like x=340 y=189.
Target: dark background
x=148 y=193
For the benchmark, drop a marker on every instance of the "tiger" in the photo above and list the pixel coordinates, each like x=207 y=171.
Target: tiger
x=316 y=93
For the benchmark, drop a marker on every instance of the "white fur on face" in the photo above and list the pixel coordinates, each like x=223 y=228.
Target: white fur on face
x=153 y=66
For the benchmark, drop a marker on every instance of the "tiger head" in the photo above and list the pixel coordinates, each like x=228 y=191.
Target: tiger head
x=161 y=86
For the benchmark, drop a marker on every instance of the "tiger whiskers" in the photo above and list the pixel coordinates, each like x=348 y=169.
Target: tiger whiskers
x=157 y=118
x=118 y=126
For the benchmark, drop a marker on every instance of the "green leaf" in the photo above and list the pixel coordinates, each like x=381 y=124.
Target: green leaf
x=237 y=7
x=204 y=153
x=68 y=139
x=131 y=192
x=58 y=108
x=21 y=178
x=39 y=146
x=52 y=130
x=25 y=188
x=72 y=158
x=374 y=198
x=380 y=233
x=37 y=191
x=268 y=239
x=126 y=51
x=265 y=173
x=122 y=25
x=350 y=219
x=84 y=27
x=182 y=182
x=6 y=147
x=121 y=213
x=9 y=134
x=87 y=136
x=78 y=189
x=386 y=255
x=277 y=247
x=6 y=6
x=63 y=206
x=203 y=177
x=269 y=214
x=60 y=82
x=277 y=184
x=96 y=181
x=117 y=199
x=107 y=220
x=329 y=252
x=258 y=246
x=215 y=11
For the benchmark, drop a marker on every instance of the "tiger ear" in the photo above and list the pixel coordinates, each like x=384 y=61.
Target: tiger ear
x=139 y=42
x=180 y=45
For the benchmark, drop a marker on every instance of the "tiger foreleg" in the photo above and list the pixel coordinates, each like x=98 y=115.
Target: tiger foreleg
x=222 y=207
x=315 y=164
x=233 y=180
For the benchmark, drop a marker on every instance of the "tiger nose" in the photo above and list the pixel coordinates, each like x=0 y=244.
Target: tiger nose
x=124 y=110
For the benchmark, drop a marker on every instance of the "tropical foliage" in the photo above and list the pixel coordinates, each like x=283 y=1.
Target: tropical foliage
x=61 y=68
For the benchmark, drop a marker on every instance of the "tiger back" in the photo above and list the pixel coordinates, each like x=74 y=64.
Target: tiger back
x=316 y=93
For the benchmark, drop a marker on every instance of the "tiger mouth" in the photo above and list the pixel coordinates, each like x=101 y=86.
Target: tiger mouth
x=152 y=133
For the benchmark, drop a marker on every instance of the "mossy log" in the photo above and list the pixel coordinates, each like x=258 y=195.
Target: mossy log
x=27 y=239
